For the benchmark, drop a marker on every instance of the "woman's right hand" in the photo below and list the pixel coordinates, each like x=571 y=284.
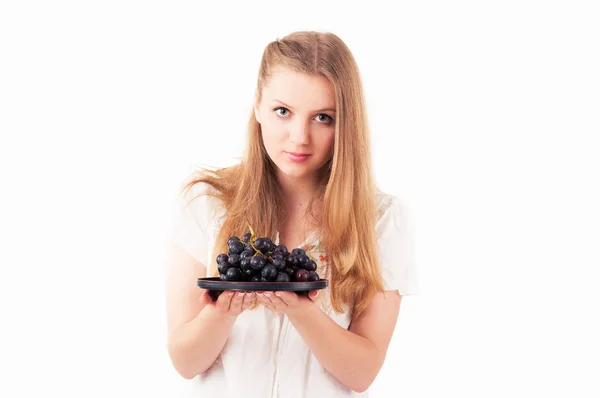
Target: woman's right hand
x=229 y=303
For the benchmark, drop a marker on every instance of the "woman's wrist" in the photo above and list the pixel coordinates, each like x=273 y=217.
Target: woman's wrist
x=213 y=315
x=305 y=312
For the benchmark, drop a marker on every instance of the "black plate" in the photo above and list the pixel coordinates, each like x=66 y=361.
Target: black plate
x=217 y=286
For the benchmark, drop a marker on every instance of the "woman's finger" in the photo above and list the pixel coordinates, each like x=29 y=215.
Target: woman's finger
x=313 y=295
x=261 y=297
x=276 y=303
x=224 y=300
x=236 y=302
x=288 y=298
x=264 y=299
x=276 y=300
x=205 y=298
x=247 y=300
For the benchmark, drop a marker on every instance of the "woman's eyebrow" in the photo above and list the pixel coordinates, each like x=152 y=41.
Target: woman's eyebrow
x=319 y=110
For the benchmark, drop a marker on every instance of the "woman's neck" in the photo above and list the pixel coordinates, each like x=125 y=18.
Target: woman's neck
x=296 y=193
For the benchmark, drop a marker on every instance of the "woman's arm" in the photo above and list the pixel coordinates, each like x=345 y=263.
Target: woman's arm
x=352 y=356
x=197 y=328
x=194 y=346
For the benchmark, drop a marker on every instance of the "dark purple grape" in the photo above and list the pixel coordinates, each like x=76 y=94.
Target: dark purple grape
x=234 y=274
x=282 y=277
x=259 y=244
x=292 y=261
x=223 y=267
x=313 y=276
x=263 y=279
x=256 y=278
x=263 y=244
x=236 y=247
x=246 y=238
x=281 y=249
x=245 y=263
x=223 y=277
x=298 y=251
x=276 y=255
x=279 y=264
x=232 y=240
x=245 y=254
x=222 y=258
x=234 y=259
x=301 y=275
x=250 y=249
x=273 y=246
x=257 y=262
x=311 y=266
x=303 y=261
x=290 y=271
x=269 y=272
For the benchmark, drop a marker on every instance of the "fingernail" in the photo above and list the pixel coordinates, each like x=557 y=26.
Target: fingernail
x=230 y=294
x=278 y=294
x=241 y=294
x=267 y=295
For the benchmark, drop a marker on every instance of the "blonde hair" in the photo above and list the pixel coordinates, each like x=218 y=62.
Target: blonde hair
x=344 y=204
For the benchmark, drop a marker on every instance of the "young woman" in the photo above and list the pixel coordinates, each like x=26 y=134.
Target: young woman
x=305 y=181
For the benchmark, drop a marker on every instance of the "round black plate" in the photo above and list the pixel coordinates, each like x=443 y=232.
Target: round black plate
x=217 y=286
x=215 y=283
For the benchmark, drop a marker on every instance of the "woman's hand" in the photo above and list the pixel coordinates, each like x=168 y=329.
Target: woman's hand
x=287 y=302
x=229 y=303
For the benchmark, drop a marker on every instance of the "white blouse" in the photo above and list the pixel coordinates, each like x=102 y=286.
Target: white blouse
x=265 y=357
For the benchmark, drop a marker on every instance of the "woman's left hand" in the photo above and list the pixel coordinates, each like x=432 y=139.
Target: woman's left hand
x=286 y=302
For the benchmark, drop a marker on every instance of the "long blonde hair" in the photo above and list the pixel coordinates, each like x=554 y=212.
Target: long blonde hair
x=346 y=194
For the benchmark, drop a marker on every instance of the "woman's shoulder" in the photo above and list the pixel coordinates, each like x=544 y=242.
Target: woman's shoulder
x=395 y=237
x=387 y=203
x=393 y=214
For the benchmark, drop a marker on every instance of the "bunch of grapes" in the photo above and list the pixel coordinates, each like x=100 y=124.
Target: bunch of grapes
x=251 y=259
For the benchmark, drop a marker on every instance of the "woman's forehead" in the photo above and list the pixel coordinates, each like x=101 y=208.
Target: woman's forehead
x=300 y=90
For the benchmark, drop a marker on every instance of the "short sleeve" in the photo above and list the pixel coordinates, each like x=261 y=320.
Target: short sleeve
x=192 y=216
x=395 y=240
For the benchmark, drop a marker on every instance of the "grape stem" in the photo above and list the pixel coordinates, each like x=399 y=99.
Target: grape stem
x=261 y=253
x=252 y=235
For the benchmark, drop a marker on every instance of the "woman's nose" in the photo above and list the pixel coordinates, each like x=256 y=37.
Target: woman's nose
x=300 y=133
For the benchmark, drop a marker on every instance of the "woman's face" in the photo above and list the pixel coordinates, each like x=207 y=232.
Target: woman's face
x=297 y=118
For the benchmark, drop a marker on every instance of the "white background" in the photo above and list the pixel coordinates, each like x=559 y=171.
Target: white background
x=484 y=117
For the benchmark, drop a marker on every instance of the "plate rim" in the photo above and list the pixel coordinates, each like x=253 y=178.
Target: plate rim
x=264 y=286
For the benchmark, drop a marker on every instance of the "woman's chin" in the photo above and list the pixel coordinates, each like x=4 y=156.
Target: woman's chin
x=295 y=172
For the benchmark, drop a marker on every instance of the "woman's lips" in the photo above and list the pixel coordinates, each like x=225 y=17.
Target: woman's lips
x=297 y=157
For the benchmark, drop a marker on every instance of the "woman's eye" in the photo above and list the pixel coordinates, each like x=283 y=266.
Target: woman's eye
x=324 y=118
x=284 y=110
